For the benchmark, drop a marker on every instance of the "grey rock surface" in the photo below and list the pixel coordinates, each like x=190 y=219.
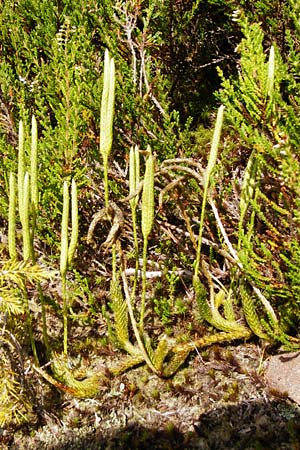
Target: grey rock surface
x=283 y=374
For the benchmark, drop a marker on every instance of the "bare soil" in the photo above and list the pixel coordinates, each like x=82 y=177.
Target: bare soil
x=218 y=400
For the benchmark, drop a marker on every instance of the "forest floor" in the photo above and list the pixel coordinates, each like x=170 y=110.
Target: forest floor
x=219 y=400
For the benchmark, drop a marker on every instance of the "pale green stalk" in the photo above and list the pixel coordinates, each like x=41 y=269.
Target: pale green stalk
x=34 y=201
x=21 y=168
x=136 y=331
x=74 y=221
x=207 y=178
x=34 y=191
x=25 y=213
x=106 y=117
x=27 y=254
x=64 y=261
x=148 y=196
x=64 y=230
x=147 y=223
x=34 y=168
x=68 y=249
x=134 y=175
x=24 y=191
x=12 y=217
x=134 y=180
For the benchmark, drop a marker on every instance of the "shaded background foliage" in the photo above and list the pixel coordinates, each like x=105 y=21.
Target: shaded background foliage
x=196 y=41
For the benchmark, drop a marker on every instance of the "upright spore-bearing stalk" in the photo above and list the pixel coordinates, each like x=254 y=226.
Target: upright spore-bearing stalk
x=21 y=168
x=64 y=260
x=106 y=118
x=74 y=223
x=34 y=168
x=67 y=250
x=25 y=214
x=134 y=180
x=207 y=179
x=12 y=217
x=147 y=222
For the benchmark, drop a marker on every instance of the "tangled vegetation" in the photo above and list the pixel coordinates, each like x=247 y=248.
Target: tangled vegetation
x=163 y=202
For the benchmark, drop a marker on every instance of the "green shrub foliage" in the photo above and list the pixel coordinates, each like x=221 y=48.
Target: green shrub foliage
x=263 y=120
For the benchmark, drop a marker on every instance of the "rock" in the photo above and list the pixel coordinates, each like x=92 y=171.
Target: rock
x=283 y=374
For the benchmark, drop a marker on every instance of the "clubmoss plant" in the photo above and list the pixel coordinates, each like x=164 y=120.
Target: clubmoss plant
x=68 y=248
x=106 y=118
x=207 y=180
x=27 y=194
x=147 y=223
x=134 y=181
x=12 y=249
